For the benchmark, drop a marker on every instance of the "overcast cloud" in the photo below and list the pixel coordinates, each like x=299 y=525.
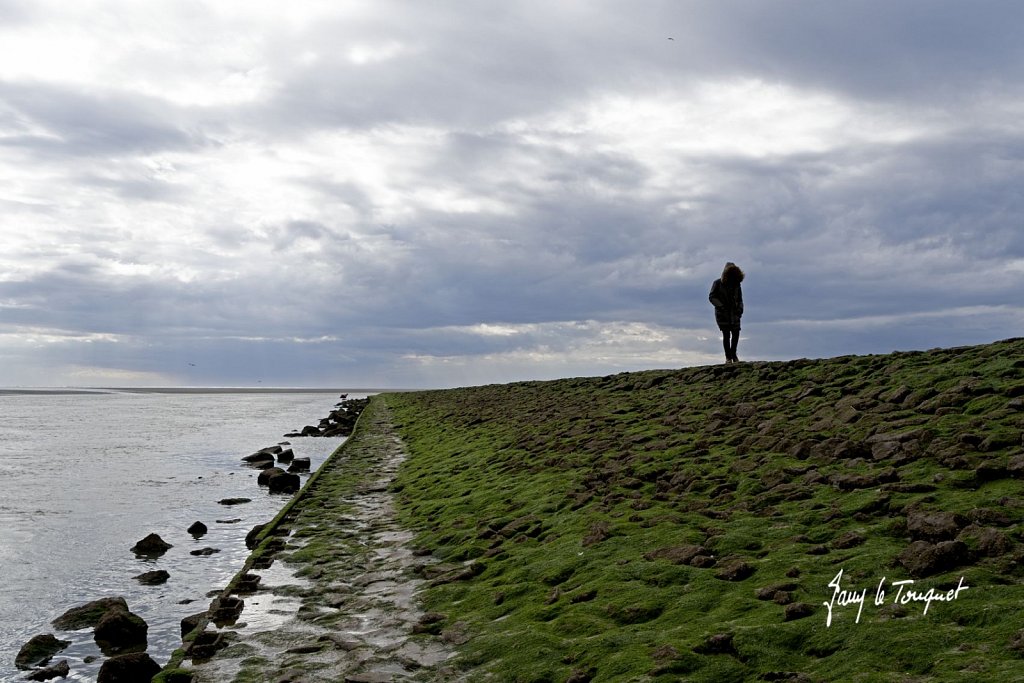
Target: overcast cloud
x=400 y=194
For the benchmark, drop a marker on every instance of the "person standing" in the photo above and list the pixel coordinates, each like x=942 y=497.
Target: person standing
x=727 y=298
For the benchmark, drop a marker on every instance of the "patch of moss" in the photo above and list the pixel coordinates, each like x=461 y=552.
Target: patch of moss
x=561 y=491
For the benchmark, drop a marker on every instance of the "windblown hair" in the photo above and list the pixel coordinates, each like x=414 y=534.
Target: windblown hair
x=731 y=274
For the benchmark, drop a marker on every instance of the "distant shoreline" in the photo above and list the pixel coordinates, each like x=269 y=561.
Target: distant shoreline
x=82 y=391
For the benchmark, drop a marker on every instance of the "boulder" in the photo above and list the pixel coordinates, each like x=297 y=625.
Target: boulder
x=204 y=552
x=250 y=538
x=120 y=630
x=284 y=482
x=933 y=526
x=923 y=559
x=234 y=501
x=248 y=583
x=735 y=570
x=310 y=430
x=129 y=668
x=206 y=644
x=299 y=465
x=286 y=456
x=38 y=650
x=264 y=477
x=189 y=623
x=225 y=611
x=259 y=459
x=89 y=614
x=153 y=578
x=151 y=546
x=58 y=670
x=197 y=529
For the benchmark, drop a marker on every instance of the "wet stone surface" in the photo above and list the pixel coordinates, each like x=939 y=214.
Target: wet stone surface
x=339 y=602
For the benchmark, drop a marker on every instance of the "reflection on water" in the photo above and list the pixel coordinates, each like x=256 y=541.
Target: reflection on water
x=84 y=477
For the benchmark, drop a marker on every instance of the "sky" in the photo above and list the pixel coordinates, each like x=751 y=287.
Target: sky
x=395 y=193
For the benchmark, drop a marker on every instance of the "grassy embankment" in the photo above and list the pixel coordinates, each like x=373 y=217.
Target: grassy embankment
x=685 y=525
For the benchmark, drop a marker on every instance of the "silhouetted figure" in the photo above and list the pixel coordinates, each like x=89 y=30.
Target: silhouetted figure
x=727 y=298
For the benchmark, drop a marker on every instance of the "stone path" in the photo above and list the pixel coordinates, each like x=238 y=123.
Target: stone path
x=339 y=602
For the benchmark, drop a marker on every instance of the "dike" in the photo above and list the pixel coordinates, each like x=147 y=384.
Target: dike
x=752 y=522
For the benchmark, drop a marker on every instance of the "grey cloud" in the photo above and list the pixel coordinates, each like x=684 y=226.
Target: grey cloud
x=81 y=123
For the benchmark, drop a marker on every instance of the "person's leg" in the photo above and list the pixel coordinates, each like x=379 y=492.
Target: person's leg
x=726 y=344
x=733 y=344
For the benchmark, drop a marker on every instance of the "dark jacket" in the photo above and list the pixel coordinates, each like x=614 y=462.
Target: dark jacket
x=728 y=303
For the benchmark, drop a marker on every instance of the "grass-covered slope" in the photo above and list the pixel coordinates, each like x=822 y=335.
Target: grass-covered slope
x=686 y=524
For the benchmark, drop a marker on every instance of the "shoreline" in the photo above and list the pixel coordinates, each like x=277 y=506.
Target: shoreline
x=350 y=587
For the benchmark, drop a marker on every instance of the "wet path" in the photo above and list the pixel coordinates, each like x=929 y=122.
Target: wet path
x=339 y=601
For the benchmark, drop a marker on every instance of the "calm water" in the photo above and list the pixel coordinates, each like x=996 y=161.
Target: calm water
x=83 y=477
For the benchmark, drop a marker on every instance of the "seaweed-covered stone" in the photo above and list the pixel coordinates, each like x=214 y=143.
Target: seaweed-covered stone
x=151 y=546
x=284 y=482
x=736 y=570
x=120 y=630
x=89 y=614
x=798 y=610
x=681 y=554
x=266 y=474
x=922 y=558
x=153 y=578
x=299 y=465
x=128 y=668
x=59 y=670
x=38 y=650
x=250 y=538
x=189 y=623
x=933 y=526
x=718 y=644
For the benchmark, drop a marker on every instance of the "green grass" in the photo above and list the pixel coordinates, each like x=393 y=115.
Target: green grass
x=558 y=490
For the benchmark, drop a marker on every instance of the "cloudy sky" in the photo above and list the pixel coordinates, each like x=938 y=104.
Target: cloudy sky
x=395 y=193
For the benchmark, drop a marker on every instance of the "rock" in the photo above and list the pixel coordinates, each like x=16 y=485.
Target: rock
x=735 y=570
x=310 y=430
x=798 y=610
x=933 y=526
x=129 y=668
x=234 y=501
x=922 y=558
x=59 y=670
x=120 y=630
x=284 y=482
x=266 y=474
x=191 y=622
x=153 y=578
x=248 y=583
x=286 y=456
x=988 y=542
x=683 y=554
x=38 y=650
x=718 y=644
x=197 y=529
x=299 y=465
x=259 y=459
x=151 y=546
x=204 y=552
x=225 y=610
x=206 y=644
x=89 y=614
x=250 y=538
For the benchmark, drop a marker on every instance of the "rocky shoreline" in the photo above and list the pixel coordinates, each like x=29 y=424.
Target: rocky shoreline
x=346 y=594
x=119 y=633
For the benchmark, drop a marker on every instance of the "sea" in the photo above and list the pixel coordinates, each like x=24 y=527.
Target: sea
x=85 y=474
